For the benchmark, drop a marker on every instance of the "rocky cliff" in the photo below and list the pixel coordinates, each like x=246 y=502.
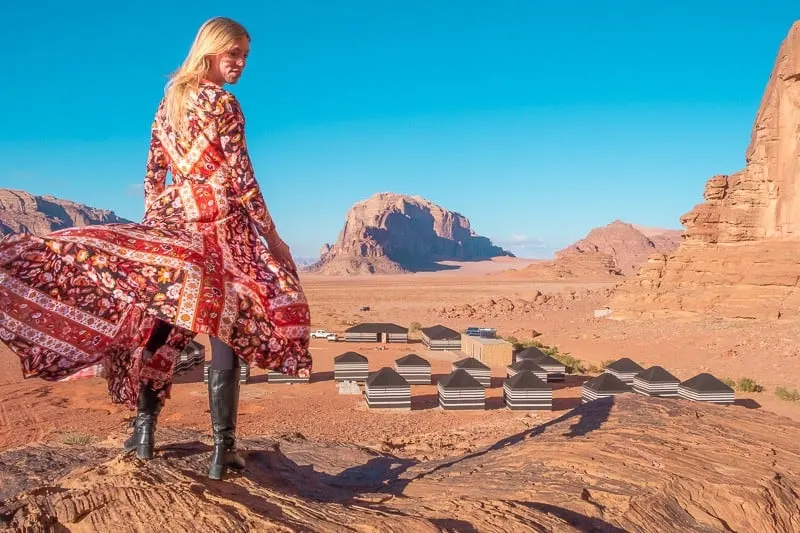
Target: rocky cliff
x=392 y=233
x=630 y=464
x=24 y=212
x=627 y=246
x=741 y=253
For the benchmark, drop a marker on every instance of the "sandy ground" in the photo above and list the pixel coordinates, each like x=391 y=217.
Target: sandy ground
x=35 y=411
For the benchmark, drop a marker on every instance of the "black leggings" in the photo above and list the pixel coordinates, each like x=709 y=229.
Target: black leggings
x=222 y=356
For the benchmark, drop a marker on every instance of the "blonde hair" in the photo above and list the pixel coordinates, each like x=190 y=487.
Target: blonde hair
x=215 y=36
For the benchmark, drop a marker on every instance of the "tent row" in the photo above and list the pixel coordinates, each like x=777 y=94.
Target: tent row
x=625 y=375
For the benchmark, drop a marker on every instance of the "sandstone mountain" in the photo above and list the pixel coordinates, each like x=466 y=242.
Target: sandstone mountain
x=626 y=245
x=392 y=233
x=608 y=252
x=24 y=212
x=627 y=464
x=741 y=251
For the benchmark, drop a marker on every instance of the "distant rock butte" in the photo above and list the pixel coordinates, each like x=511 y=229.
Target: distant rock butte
x=741 y=251
x=615 y=250
x=22 y=212
x=393 y=233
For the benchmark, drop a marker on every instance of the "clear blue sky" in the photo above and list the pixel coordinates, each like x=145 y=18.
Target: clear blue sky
x=536 y=120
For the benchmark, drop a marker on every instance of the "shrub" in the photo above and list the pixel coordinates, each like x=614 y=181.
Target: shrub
x=748 y=385
x=788 y=395
x=76 y=439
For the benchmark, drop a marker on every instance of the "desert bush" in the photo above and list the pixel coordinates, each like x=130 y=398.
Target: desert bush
x=415 y=326
x=592 y=369
x=76 y=439
x=729 y=382
x=604 y=364
x=786 y=394
x=572 y=365
x=748 y=385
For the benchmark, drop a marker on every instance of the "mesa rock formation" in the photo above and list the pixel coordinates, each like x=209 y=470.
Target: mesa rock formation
x=627 y=464
x=740 y=254
x=23 y=212
x=391 y=233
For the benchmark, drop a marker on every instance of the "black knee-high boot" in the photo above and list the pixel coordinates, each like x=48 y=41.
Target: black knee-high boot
x=223 y=401
x=148 y=406
x=144 y=425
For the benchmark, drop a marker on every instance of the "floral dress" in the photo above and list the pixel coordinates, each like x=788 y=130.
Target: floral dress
x=82 y=302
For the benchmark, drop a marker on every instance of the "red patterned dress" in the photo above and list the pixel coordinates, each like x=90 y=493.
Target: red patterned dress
x=82 y=302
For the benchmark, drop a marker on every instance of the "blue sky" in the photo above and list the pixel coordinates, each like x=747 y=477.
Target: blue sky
x=538 y=121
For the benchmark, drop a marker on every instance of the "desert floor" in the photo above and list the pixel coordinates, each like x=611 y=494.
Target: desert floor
x=34 y=410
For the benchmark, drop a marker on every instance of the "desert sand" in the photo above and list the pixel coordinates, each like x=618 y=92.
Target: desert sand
x=317 y=456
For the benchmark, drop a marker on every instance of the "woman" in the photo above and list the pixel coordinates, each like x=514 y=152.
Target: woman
x=123 y=300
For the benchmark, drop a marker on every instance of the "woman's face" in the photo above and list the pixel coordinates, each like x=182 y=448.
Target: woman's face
x=228 y=66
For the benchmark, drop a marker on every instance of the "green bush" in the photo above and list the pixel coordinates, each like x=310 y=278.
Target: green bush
x=748 y=385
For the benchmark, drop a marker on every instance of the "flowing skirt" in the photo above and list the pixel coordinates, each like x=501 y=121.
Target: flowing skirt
x=82 y=302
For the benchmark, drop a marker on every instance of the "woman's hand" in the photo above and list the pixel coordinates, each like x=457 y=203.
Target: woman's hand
x=280 y=251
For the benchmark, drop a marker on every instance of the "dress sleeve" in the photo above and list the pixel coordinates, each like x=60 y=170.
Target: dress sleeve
x=155 y=176
x=243 y=181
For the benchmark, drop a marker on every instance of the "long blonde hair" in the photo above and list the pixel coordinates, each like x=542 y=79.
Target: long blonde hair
x=215 y=36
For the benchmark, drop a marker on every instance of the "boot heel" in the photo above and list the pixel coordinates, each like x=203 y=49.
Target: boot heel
x=144 y=451
x=216 y=471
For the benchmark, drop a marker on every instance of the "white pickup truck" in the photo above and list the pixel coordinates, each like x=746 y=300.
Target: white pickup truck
x=323 y=334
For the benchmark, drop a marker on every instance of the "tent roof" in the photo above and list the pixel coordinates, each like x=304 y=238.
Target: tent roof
x=350 y=357
x=657 y=374
x=460 y=379
x=470 y=362
x=607 y=383
x=412 y=359
x=527 y=364
x=386 y=377
x=625 y=365
x=525 y=380
x=376 y=327
x=440 y=332
x=705 y=382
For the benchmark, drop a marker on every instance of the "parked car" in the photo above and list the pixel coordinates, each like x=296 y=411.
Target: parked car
x=332 y=337
x=320 y=334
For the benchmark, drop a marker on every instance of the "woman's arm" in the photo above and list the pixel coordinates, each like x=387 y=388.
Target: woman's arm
x=234 y=146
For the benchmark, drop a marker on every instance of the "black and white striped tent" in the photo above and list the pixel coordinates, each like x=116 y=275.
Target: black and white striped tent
x=386 y=389
x=655 y=381
x=278 y=377
x=476 y=369
x=376 y=332
x=555 y=369
x=624 y=369
x=459 y=390
x=350 y=366
x=603 y=386
x=194 y=354
x=529 y=353
x=415 y=369
x=439 y=337
x=706 y=388
x=527 y=364
x=525 y=391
